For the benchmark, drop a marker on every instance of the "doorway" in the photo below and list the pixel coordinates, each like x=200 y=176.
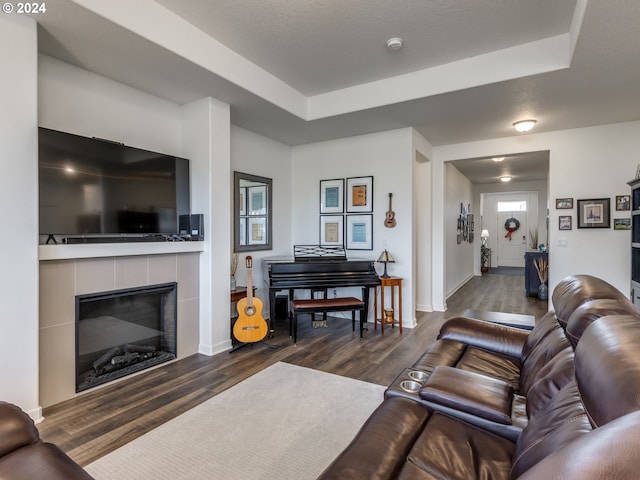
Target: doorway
x=510 y=218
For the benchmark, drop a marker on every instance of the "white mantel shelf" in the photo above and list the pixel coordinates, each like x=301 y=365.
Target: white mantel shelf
x=96 y=250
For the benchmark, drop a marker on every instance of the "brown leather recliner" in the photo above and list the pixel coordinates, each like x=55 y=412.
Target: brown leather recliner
x=24 y=456
x=578 y=434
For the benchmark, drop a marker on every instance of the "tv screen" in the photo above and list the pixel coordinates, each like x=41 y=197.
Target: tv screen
x=93 y=187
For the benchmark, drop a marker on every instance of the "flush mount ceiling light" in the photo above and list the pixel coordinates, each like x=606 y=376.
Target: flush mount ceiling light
x=498 y=159
x=395 y=43
x=524 y=125
x=506 y=178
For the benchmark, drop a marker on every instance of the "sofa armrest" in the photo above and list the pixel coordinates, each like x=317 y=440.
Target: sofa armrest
x=469 y=392
x=508 y=341
x=16 y=429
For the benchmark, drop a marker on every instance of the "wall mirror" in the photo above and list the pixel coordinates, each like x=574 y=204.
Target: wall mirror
x=252 y=212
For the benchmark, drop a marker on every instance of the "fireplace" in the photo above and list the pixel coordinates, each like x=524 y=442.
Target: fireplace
x=124 y=331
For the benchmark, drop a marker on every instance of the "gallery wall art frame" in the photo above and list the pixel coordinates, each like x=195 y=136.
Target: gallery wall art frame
x=332 y=196
x=622 y=224
x=623 y=203
x=594 y=213
x=359 y=232
x=564 y=203
x=359 y=194
x=565 y=222
x=332 y=230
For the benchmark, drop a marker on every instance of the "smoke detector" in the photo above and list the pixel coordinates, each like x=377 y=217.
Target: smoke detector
x=395 y=43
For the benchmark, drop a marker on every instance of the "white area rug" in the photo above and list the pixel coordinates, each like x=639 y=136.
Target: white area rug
x=285 y=422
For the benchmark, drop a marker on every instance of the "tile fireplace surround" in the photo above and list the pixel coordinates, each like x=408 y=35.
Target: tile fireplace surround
x=62 y=279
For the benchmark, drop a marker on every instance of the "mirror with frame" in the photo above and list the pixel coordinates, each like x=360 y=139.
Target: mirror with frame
x=252 y=212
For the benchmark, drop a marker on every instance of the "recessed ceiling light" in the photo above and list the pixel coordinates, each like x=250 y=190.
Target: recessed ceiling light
x=395 y=43
x=498 y=159
x=524 y=125
x=506 y=178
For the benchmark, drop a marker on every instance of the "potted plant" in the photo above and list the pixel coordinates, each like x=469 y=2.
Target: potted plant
x=484 y=258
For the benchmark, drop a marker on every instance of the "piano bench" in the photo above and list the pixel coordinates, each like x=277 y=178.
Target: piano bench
x=324 y=305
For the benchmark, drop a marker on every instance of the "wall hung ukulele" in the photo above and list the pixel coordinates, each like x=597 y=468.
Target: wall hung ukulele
x=390 y=219
x=250 y=327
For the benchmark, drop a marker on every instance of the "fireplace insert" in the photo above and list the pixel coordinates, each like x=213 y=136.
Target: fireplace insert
x=124 y=331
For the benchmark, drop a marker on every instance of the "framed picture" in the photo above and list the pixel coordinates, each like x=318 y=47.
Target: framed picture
x=594 y=213
x=332 y=196
x=359 y=194
x=257 y=198
x=564 y=222
x=242 y=207
x=243 y=231
x=332 y=230
x=622 y=224
x=257 y=230
x=360 y=232
x=564 y=203
x=623 y=202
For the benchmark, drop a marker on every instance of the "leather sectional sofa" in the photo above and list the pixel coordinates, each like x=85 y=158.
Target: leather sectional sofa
x=24 y=456
x=487 y=401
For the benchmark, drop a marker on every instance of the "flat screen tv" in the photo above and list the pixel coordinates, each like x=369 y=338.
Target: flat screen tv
x=94 y=188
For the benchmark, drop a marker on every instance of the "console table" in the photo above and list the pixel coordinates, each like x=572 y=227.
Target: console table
x=531 y=279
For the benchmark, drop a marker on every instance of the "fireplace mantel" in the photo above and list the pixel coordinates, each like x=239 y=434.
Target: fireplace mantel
x=97 y=250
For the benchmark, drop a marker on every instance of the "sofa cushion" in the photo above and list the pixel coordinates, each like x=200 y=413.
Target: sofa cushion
x=16 y=429
x=589 y=312
x=40 y=461
x=488 y=363
x=380 y=448
x=551 y=378
x=442 y=352
x=608 y=368
x=540 y=354
x=575 y=290
x=475 y=394
x=452 y=449
x=608 y=452
x=561 y=421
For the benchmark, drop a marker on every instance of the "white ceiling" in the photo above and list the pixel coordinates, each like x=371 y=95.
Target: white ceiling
x=310 y=70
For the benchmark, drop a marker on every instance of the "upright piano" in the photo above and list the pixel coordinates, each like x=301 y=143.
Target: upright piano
x=314 y=267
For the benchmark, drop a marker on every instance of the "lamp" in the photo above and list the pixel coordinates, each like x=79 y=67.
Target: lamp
x=484 y=235
x=385 y=257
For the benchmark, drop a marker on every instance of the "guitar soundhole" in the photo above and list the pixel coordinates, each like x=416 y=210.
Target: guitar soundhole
x=250 y=310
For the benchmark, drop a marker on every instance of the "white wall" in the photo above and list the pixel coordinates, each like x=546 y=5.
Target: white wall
x=19 y=198
x=257 y=155
x=593 y=162
x=459 y=257
x=388 y=157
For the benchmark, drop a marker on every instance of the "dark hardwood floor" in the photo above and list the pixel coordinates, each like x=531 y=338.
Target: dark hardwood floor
x=99 y=421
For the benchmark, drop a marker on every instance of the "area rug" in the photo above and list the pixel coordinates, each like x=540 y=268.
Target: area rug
x=285 y=422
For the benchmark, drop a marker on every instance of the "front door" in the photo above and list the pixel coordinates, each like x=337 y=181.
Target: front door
x=511 y=250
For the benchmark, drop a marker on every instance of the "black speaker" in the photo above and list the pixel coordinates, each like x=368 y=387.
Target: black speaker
x=192 y=225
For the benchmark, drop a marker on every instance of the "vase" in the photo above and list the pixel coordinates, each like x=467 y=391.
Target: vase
x=233 y=283
x=543 y=293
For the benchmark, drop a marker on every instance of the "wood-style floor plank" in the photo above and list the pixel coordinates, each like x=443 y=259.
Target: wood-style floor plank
x=101 y=420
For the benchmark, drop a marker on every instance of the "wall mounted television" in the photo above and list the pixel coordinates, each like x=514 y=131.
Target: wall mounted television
x=105 y=191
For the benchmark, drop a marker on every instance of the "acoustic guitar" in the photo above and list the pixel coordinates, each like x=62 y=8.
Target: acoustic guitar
x=250 y=327
x=390 y=219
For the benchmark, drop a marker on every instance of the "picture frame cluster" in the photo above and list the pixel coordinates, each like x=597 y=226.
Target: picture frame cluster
x=346 y=212
x=592 y=213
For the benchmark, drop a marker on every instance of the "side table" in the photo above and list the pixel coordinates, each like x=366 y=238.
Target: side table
x=389 y=282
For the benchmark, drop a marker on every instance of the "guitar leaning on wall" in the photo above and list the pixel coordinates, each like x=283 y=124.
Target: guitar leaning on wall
x=250 y=327
x=390 y=218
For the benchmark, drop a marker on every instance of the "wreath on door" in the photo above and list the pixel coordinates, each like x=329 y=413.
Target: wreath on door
x=511 y=225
